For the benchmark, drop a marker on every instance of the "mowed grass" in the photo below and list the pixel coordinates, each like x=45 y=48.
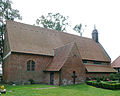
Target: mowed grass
x=48 y=90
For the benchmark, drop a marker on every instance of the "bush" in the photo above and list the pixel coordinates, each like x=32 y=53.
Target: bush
x=31 y=81
x=104 y=85
x=105 y=78
x=116 y=77
x=93 y=78
x=89 y=82
x=98 y=79
x=101 y=78
x=87 y=78
x=112 y=77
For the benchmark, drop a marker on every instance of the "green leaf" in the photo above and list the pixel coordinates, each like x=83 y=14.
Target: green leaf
x=53 y=21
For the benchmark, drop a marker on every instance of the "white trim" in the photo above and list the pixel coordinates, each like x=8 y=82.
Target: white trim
x=6 y=55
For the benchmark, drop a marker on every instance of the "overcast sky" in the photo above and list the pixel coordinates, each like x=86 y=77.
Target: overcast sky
x=105 y=14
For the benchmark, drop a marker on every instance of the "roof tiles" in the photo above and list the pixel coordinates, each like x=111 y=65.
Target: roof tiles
x=36 y=40
x=99 y=68
x=116 y=63
x=61 y=55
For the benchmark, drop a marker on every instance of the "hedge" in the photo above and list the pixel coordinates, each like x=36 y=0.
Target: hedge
x=105 y=85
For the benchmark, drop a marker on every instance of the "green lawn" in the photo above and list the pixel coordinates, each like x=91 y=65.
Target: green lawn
x=48 y=90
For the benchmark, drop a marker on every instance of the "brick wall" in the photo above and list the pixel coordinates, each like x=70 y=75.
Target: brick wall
x=56 y=78
x=47 y=78
x=94 y=75
x=73 y=63
x=5 y=67
x=15 y=68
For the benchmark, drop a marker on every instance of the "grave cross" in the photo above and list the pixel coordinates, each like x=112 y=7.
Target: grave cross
x=74 y=77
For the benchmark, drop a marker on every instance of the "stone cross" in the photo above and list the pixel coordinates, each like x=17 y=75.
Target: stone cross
x=74 y=77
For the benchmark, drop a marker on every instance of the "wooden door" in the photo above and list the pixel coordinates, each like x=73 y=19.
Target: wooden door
x=52 y=78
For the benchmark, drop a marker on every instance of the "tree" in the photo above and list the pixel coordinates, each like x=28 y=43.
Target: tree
x=6 y=12
x=53 y=21
x=79 y=29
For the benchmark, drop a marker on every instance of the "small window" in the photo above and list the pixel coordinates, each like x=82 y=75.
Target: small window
x=33 y=65
x=30 y=65
x=84 y=61
x=97 y=62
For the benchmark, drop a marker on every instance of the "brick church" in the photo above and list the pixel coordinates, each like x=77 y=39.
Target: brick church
x=51 y=57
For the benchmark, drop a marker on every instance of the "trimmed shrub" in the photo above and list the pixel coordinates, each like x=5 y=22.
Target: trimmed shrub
x=112 y=76
x=98 y=79
x=93 y=78
x=105 y=85
x=116 y=77
x=89 y=82
x=101 y=78
x=105 y=78
x=87 y=78
x=31 y=81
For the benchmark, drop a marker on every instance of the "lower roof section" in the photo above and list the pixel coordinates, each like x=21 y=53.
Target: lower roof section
x=100 y=68
x=116 y=63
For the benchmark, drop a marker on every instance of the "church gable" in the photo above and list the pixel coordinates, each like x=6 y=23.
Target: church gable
x=73 y=70
x=61 y=55
x=68 y=63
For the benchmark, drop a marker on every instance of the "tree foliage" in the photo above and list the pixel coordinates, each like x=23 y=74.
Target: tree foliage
x=53 y=21
x=6 y=12
x=79 y=28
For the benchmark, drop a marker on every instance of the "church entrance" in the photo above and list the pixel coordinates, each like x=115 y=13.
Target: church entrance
x=52 y=78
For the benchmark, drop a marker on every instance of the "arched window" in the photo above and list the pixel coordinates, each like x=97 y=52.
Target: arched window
x=33 y=65
x=30 y=65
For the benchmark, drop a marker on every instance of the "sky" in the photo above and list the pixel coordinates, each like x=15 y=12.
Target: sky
x=105 y=14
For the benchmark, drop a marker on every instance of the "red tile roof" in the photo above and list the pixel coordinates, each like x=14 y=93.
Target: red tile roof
x=36 y=40
x=99 y=68
x=116 y=63
x=60 y=57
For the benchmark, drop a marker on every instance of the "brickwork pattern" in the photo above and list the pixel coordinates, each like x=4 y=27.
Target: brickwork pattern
x=94 y=75
x=73 y=63
x=15 y=70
